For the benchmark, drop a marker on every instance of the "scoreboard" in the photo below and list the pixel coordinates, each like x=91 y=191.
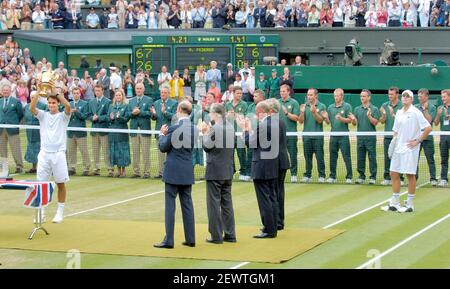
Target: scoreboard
x=150 y=53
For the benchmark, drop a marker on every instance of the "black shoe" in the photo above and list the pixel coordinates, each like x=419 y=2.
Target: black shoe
x=158 y=177
x=19 y=170
x=146 y=176
x=229 y=240
x=264 y=236
x=72 y=173
x=95 y=173
x=135 y=176
x=212 y=241
x=85 y=173
x=31 y=171
x=280 y=227
x=188 y=244
x=163 y=246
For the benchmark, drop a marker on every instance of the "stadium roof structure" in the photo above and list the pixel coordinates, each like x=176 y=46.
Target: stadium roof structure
x=116 y=37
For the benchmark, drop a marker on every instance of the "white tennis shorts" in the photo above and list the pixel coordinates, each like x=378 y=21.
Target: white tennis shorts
x=52 y=164
x=405 y=163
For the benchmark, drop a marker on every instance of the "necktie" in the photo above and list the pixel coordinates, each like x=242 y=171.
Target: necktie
x=5 y=104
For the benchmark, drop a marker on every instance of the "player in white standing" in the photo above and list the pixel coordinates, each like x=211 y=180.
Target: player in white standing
x=52 y=156
x=410 y=128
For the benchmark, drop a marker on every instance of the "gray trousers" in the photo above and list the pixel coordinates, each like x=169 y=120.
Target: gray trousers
x=219 y=205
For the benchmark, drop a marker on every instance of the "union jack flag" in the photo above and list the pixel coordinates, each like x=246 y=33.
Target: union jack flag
x=37 y=194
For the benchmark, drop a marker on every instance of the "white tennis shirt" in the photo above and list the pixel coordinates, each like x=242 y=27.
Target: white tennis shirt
x=53 y=130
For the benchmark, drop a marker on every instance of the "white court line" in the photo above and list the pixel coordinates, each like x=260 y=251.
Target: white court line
x=120 y=202
x=343 y=220
x=404 y=242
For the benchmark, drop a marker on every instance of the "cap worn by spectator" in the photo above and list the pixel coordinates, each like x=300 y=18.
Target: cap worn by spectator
x=274 y=70
x=261 y=74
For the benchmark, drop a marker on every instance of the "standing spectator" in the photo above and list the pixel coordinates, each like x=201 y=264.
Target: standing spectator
x=176 y=86
x=198 y=15
x=104 y=19
x=115 y=80
x=366 y=117
x=174 y=18
x=186 y=17
x=78 y=139
x=301 y=14
x=38 y=18
x=290 y=15
x=326 y=16
x=121 y=8
x=208 y=16
x=424 y=12
x=262 y=84
x=128 y=86
x=98 y=115
x=113 y=19
x=274 y=85
x=260 y=14
x=163 y=78
x=162 y=18
x=22 y=92
x=131 y=18
x=92 y=19
x=152 y=17
x=286 y=78
x=228 y=95
x=13 y=17
x=187 y=90
x=409 y=16
x=25 y=20
x=48 y=7
x=382 y=16
x=241 y=17
x=271 y=11
x=339 y=117
x=119 y=145
x=33 y=136
x=213 y=74
x=245 y=68
x=313 y=17
x=429 y=112
x=338 y=15
x=58 y=17
x=350 y=11
x=360 y=15
x=443 y=119
x=216 y=91
x=289 y=114
x=11 y=112
x=238 y=80
x=250 y=15
x=371 y=17
x=200 y=83
x=313 y=114
x=230 y=16
x=163 y=111
x=218 y=14
x=229 y=75
x=73 y=17
x=140 y=107
x=394 y=14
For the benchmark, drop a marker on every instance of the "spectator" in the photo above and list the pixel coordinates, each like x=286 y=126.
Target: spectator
x=176 y=86
x=350 y=11
x=83 y=63
x=200 y=83
x=213 y=74
x=250 y=15
x=218 y=14
x=121 y=8
x=174 y=18
x=25 y=19
x=230 y=16
x=198 y=15
x=131 y=18
x=48 y=7
x=22 y=92
x=38 y=18
x=326 y=16
x=229 y=75
x=92 y=19
x=301 y=15
x=115 y=80
x=187 y=90
x=290 y=15
x=163 y=78
x=409 y=16
x=382 y=16
x=270 y=15
x=394 y=14
x=208 y=17
x=104 y=19
x=424 y=12
x=238 y=81
x=13 y=18
x=186 y=17
x=162 y=18
x=244 y=69
x=338 y=15
x=152 y=17
x=73 y=18
x=228 y=95
x=360 y=15
x=260 y=14
x=113 y=19
x=241 y=17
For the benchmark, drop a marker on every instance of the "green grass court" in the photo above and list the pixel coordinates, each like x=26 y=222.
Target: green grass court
x=307 y=206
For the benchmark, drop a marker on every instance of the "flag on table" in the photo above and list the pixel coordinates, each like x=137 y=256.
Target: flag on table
x=37 y=194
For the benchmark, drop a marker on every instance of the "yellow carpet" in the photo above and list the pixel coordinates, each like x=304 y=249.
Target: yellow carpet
x=133 y=238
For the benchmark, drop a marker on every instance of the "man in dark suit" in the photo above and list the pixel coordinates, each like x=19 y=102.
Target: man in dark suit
x=260 y=14
x=178 y=142
x=283 y=160
x=105 y=82
x=218 y=15
x=264 y=142
x=218 y=143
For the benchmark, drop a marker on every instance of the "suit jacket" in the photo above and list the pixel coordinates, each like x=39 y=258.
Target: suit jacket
x=78 y=118
x=219 y=147
x=264 y=166
x=142 y=120
x=219 y=17
x=166 y=117
x=11 y=114
x=283 y=154
x=105 y=82
x=70 y=19
x=100 y=109
x=178 y=167
x=260 y=15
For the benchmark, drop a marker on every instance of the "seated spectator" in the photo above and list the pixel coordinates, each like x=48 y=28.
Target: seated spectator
x=216 y=91
x=92 y=19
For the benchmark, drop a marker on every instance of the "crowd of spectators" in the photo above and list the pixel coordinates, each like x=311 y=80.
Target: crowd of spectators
x=185 y=14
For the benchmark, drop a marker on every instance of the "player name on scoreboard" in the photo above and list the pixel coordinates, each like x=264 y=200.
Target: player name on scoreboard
x=150 y=53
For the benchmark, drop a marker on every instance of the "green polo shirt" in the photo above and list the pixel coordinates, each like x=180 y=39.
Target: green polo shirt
x=310 y=124
x=274 y=87
x=239 y=108
x=431 y=111
x=389 y=124
x=263 y=85
x=293 y=107
x=344 y=110
x=444 y=120
x=363 y=121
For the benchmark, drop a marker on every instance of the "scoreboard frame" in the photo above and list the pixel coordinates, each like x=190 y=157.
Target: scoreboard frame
x=259 y=45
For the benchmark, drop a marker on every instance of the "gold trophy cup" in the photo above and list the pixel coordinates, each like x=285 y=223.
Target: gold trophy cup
x=47 y=83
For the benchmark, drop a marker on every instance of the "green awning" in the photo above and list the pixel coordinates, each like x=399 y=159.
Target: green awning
x=97 y=51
